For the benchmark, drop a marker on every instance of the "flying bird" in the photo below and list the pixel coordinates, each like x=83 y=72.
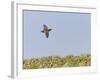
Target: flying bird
x=46 y=30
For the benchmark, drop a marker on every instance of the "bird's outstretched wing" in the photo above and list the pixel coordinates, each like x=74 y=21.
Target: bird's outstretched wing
x=42 y=31
x=49 y=29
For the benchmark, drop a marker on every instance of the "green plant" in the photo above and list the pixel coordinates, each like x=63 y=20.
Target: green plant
x=57 y=61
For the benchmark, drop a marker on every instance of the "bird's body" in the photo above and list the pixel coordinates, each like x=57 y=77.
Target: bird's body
x=46 y=30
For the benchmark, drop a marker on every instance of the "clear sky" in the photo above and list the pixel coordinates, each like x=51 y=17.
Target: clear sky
x=71 y=33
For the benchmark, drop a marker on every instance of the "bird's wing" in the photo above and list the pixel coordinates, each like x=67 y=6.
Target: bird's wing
x=49 y=29
x=42 y=31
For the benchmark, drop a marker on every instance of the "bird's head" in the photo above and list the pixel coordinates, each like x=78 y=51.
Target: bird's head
x=44 y=25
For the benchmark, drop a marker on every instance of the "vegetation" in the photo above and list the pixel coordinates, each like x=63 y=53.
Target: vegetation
x=57 y=61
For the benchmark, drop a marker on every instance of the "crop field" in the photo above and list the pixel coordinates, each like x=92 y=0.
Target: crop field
x=57 y=61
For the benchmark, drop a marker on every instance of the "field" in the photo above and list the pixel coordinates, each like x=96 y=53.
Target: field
x=57 y=61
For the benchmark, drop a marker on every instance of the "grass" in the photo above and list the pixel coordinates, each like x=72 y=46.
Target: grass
x=57 y=61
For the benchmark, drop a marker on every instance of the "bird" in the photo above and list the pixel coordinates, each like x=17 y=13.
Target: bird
x=46 y=30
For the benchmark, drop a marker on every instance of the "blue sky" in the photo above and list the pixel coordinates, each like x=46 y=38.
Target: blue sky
x=71 y=33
